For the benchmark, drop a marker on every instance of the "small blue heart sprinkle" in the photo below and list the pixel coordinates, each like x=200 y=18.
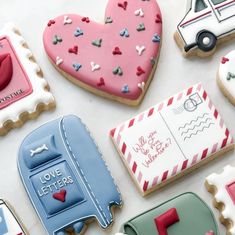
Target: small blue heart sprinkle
x=78 y=32
x=124 y=33
x=125 y=89
x=156 y=38
x=77 y=67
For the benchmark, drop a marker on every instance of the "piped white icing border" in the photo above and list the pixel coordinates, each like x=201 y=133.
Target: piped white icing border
x=222 y=196
x=40 y=94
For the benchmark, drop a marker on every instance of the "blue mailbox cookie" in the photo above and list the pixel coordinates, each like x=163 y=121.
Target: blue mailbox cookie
x=66 y=178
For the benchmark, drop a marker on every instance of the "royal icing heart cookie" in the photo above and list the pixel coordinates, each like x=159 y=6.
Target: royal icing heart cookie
x=66 y=178
x=116 y=59
x=24 y=93
x=222 y=187
x=226 y=76
x=174 y=127
x=174 y=217
x=206 y=24
x=9 y=223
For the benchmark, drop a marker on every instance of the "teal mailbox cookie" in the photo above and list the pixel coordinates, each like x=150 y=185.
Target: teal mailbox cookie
x=183 y=215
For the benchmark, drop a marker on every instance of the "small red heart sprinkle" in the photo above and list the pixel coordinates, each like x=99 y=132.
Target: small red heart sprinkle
x=123 y=5
x=101 y=82
x=117 y=51
x=224 y=60
x=158 y=19
x=140 y=71
x=60 y=196
x=86 y=19
x=51 y=22
x=73 y=50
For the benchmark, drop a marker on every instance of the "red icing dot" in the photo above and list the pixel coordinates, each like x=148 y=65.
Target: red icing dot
x=86 y=19
x=140 y=71
x=73 y=50
x=123 y=5
x=224 y=60
x=158 y=19
x=50 y=23
x=6 y=70
x=101 y=82
x=117 y=51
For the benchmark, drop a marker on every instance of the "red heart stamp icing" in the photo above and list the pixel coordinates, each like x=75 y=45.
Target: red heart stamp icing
x=6 y=70
x=60 y=196
x=113 y=46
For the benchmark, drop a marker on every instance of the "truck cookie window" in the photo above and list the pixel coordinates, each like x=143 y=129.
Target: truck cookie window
x=205 y=22
x=200 y=5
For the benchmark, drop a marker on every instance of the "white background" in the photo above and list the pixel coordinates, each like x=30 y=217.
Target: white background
x=173 y=74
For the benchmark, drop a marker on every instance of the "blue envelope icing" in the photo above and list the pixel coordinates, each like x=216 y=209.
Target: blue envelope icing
x=66 y=177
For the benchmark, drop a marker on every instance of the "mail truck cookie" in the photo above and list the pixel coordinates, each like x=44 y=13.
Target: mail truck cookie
x=182 y=215
x=206 y=24
x=222 y=187
x=97 y=56
x=9 y=224
x=66 y=178
x=226 y=76
x=172 y=138
x=24 y=93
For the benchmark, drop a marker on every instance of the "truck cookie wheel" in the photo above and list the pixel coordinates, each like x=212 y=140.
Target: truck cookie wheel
x=206 y=41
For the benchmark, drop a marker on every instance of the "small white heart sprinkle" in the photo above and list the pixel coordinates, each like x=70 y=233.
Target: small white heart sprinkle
x=140 y=49
x=59 y=61
x=139 y=12
x=67 y=20
x=94 y=66
x=141 y=85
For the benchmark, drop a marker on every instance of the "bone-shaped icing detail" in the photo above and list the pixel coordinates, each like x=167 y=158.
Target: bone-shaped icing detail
x=38 y=150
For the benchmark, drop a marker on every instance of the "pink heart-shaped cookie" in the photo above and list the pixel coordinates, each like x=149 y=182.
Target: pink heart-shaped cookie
x=125 y=49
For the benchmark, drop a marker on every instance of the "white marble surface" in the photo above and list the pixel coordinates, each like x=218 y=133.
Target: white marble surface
x=173 y=74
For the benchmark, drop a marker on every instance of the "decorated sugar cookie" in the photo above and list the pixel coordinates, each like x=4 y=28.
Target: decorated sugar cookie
x=24 y=93
x=182 y=215
x=171 y=138
x=9 y=224
x=66 y=178
x=116 y=59
x=206 y=24
x=226 y=76
x=222 y=187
